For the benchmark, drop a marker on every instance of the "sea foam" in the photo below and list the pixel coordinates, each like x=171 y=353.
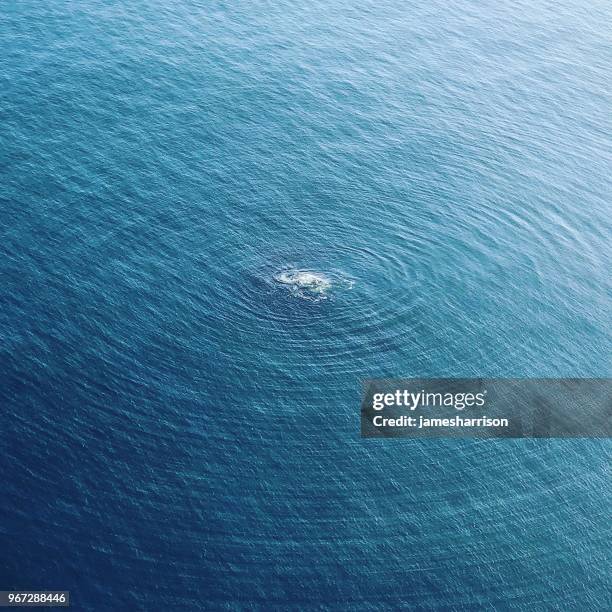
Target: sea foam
x=305 y=283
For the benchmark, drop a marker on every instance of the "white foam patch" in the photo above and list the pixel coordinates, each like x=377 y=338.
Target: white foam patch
x=306 y=283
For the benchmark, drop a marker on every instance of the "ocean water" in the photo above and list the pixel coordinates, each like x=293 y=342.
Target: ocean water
x=180 y=403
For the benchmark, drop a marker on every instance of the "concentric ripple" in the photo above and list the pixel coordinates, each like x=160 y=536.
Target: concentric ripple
x=218 y=218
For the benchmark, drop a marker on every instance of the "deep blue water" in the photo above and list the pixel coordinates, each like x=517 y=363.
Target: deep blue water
x=179 y=429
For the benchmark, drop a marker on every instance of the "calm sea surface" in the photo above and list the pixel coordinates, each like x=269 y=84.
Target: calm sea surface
x=179 y=427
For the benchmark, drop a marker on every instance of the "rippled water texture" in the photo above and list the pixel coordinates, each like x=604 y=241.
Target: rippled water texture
x=217 y=218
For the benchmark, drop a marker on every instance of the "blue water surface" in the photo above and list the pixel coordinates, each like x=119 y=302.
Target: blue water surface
x=180 y=430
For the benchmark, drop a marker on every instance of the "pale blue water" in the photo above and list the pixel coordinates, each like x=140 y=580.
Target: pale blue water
x=180 y=430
